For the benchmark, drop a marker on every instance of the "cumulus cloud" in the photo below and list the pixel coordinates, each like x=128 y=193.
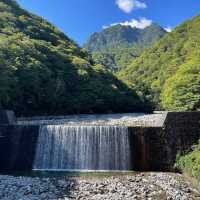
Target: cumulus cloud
x=129 y=5
x=134 y=23
x=169 y=29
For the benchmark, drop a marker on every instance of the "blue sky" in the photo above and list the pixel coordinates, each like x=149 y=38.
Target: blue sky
x=80 y=18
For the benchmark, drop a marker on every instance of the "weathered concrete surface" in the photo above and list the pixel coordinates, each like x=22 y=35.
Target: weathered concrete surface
x=156 y=119
x=17 y=147
x=156 y=148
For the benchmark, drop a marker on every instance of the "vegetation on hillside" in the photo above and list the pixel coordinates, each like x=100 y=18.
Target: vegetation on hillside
x=117 y=46
x=190 y=163
x=115 y=59
x=43 y=72
x=168 y=73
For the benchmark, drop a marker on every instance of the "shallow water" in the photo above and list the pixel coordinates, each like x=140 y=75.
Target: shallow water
x=54 y=174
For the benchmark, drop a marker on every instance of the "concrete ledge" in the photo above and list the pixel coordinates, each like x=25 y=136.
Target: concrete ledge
x=124 y=119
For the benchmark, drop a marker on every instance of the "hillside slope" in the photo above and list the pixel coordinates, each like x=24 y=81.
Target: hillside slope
x=169 y=72
x=43 y=72
x=116 y=46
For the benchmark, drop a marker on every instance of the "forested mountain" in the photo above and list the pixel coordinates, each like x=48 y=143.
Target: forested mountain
x=116 y=46
x=169 y=72
x=42 y=71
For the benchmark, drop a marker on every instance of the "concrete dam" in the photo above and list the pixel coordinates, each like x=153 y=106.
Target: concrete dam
x=118 y=142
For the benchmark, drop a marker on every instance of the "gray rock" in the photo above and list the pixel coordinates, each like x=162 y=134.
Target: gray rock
x=148 y=186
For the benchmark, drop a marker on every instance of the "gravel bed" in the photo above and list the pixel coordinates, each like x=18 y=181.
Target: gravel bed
x=147 y=186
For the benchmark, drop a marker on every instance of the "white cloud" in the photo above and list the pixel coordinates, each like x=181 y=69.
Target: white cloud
x=168 y=29
x=104 y=27
x=129 y=5
x=134 y=23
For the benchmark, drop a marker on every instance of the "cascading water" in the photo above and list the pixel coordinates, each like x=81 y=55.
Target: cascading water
x=63 y=147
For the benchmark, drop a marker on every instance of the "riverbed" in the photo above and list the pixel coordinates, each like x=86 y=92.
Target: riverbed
x=135 y=186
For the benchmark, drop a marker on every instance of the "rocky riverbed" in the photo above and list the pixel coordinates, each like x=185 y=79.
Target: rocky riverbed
x=147 y=186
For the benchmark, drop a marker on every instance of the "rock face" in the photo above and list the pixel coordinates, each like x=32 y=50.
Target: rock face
x=124 y=36
x=116 y=47
x=151 y=186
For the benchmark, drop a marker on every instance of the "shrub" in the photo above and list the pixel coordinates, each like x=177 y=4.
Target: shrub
x=190 y=163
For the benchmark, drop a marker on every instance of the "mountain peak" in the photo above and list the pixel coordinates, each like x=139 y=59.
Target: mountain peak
x=124 y=35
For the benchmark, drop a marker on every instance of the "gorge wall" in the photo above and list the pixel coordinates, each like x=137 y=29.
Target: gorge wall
x=153 y=147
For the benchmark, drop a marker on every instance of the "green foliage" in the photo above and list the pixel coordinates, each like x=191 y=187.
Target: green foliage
x=182 y=91
x=115 y=59
x=117 y=46
x=170 y=69
x=43 y=72
x=190 y=163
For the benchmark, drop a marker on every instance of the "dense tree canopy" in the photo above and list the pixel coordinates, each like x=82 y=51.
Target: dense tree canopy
x=42 y=71
x=170 y=69
x=115 y=59
x=182 y=91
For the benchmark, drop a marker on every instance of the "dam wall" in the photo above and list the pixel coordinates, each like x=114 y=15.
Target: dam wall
x=17 y=146
x=156 y=148
x=154 y=141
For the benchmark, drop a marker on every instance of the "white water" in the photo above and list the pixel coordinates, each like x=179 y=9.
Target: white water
x=63 y=147
x=128 y=119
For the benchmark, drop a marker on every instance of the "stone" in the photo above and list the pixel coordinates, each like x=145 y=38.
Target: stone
x=152 y=186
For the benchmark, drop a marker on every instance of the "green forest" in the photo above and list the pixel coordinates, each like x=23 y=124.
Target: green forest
x=42 y=71
x=168 y=73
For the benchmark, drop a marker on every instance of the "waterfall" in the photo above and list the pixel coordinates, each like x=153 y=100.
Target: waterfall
x=64 y=147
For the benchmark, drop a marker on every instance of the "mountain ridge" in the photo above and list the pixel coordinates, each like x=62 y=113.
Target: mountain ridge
x=123 y=35
x=118 y=45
